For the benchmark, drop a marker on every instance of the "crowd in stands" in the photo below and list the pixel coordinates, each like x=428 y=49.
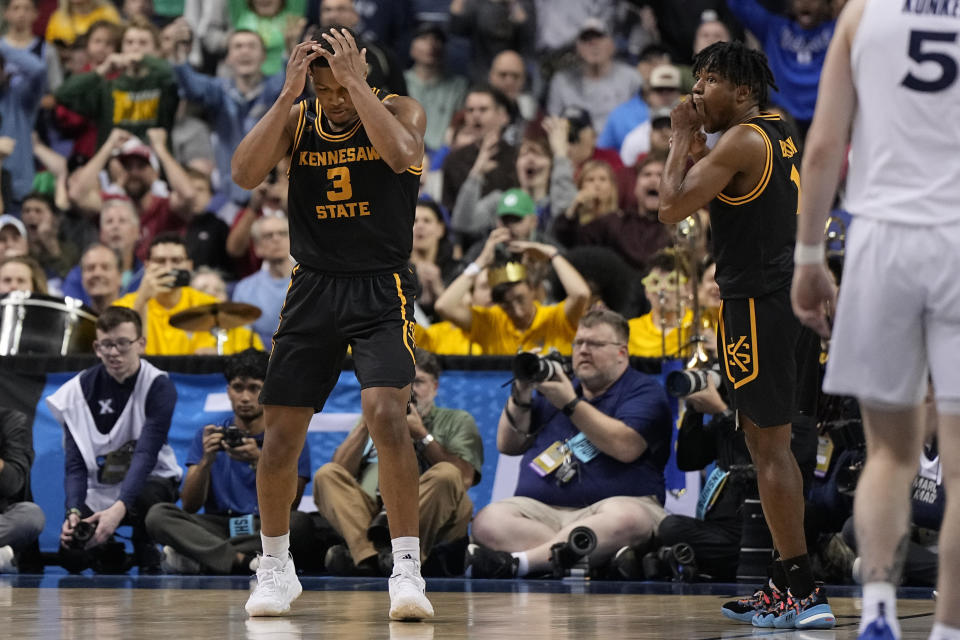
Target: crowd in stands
x=548 y=122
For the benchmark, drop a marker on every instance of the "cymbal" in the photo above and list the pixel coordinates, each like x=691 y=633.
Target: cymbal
x=222 y=315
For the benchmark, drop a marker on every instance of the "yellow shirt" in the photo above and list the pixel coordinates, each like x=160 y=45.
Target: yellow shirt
x=445 y=338
x=67 y=27
x=496 y=334
x=165 y=340
x=645 y=336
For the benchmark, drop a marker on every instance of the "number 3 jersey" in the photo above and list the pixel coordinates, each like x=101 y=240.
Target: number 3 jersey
x=754 y=234
x=904 y=162
x=350 y=213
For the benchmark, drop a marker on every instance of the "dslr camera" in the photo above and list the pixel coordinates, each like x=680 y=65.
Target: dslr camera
x=82 y=534
x=683 y=383
x=533 y=367
x=677 y=563
x=232 y=436
x=572 y=558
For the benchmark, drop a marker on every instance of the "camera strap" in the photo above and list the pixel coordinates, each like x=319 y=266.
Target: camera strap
x=582 y=448
x=242 y=526
x=711 y=491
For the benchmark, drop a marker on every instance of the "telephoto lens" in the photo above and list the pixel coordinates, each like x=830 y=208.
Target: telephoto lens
x=529 y=367
x=683 y=383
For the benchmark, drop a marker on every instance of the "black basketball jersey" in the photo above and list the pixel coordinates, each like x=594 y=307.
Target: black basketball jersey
x=754 y=234
x=350 y=212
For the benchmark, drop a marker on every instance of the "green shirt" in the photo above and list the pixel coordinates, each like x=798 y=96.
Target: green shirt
x=131 y=103
x=454 y=429
x=440 y=101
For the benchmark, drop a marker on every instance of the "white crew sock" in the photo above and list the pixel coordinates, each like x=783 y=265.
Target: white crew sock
x=406 y=549
x=524 y=567
x=876 y=594
x=943 y=632
x=276 y=546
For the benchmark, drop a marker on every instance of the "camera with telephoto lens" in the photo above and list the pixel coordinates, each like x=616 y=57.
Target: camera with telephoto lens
x=677 y=562
x=232 y=436
x=82 y=534
x=683 y=383
x=572 y=558
x=533 y=367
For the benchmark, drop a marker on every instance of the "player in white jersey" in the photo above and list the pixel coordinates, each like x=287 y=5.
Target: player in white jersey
x=891 y=75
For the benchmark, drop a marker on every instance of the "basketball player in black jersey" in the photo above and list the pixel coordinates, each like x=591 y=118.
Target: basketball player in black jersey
x=751 y=181
x=355 y=158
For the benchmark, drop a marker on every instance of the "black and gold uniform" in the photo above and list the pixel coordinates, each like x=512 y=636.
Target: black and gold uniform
x=351 y=234
x=769 y=361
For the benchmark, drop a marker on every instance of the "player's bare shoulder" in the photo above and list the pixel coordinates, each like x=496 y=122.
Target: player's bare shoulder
x=745 y=149
x=408 y=111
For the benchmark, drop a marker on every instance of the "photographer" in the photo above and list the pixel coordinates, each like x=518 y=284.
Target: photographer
x=222 y=479
x=164 y=292
x=450 y=455
x=593 y=449
x=516 y=320
x=118 y=464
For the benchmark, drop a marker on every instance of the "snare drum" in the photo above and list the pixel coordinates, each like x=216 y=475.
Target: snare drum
x=33 y=323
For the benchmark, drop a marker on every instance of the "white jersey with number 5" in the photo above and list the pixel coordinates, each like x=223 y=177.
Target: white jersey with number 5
x=905 y=157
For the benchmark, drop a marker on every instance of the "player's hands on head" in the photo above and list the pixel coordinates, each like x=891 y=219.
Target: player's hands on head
x=298 y=66
x=347 y=62
x=814 y=297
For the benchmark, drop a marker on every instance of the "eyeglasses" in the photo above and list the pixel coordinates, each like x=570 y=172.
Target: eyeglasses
x=267 y=235
x=122 y=345
x=592 y=345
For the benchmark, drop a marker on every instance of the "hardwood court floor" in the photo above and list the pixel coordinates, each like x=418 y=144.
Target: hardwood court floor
x=103 y=608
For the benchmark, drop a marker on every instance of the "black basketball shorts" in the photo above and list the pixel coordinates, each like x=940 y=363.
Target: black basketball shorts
x=768 y=360
x=321 y=316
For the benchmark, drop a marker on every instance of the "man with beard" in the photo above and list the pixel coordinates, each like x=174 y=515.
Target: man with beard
x=222 y=479
x=119 y=232
x=137 y=178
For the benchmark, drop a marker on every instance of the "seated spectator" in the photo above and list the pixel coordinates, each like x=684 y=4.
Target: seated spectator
x=508 y=74
x=440 y=93
x=597 y=197
x=634 y=111
x=432 y=255
x=211 y=282
x=446 y=338
x=235 y=102
x=608 y=277
x=21 y=273
x=651 y=141
x=612 y=424
x=13 y=237
x=139 y=182
x=75 y=17
x=222 y=480
x=119 y=232
x=100 y=276
x=269 y=198
x=517 y=321
x=635 y=235
x=118 y=463
x=140 y=9
x=142 y=95
x=267 y=288
x=654 y=335
x=796 y=46
x=23 y=77
x=56 y=253
x=21 y=521
x=599 y=82
x=487 y=116
x=543 y=171
x=450 y=456
x=206 y=234
x=661 y=94
x=583 y=148
x=159 y=297
x=493 y=27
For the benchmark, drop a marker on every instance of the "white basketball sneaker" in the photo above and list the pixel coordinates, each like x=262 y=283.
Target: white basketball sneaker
x=277 y=587
x=407 y=598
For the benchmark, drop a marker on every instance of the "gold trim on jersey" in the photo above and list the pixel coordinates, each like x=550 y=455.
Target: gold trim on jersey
x=332 y=137
x=297 y=134
x=389 y=95
x=417 y=170
x=407 y=325
x=744 y=355
x=273 y=338
x=764 y=177
x=767 y=116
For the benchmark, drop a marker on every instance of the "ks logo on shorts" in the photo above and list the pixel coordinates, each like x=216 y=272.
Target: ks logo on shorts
x=740 y=352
